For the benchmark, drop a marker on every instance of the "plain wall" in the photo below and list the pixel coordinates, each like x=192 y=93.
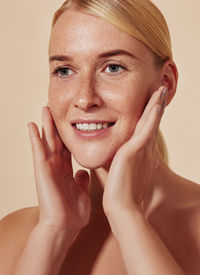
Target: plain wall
x=25 y=28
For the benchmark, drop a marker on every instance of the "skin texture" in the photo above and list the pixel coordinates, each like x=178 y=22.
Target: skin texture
x=142 y=199
x=92 y=91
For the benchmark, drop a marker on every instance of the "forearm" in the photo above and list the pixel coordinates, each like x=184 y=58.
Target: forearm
x=142 y=250
x=44 y=252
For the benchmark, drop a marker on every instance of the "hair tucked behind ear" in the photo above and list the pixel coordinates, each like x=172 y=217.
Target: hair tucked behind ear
x=139 y=18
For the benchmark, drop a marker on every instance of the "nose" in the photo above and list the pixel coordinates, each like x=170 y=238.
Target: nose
x=86 y=96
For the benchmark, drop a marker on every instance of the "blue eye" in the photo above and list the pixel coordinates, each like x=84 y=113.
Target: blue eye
x=62 y=72
x=65 y=71
x=114 y=68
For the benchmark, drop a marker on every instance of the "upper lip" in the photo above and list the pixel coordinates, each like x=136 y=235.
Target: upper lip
x=75 y=121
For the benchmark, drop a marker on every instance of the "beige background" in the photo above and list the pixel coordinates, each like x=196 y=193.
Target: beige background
x=25 y=28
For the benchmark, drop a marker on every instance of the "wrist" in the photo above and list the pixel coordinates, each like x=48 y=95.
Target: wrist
x=64 y=237
x=120 y=217
x=121 y=210
x=44 y=251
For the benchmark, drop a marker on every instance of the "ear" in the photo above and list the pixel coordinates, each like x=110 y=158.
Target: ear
x=169 y=78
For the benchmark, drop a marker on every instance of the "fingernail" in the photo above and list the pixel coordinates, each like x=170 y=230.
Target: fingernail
x=163 y=94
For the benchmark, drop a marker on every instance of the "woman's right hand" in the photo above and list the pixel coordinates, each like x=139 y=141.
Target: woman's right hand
x=64 y=202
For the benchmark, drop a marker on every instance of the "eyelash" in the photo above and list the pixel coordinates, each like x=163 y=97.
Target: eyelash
x=57 y=70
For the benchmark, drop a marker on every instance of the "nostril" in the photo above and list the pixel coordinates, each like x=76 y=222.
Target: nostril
x=86 y=101
x=85 y=105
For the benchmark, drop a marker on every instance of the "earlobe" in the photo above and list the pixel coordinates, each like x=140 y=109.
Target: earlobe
x=170 y=78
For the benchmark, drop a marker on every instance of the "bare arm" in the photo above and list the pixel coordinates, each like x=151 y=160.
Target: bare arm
x=125 y=191
x=64 y=203
x=44 y=252
x=143 y=252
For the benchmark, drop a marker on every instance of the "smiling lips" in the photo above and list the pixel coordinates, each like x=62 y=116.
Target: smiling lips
x=91 y=125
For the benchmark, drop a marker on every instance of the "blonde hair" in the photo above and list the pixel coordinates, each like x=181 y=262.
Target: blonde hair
x=139 y=18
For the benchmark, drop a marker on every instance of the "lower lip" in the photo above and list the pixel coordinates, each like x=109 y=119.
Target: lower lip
x=92 y=134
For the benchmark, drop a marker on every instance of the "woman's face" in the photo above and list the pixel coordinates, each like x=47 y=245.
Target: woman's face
x=98 y=74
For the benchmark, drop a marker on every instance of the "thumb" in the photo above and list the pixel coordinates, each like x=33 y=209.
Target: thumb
x=82 y=178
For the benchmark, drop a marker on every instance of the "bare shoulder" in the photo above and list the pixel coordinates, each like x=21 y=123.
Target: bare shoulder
x=195 y=222
x=14 y=231
x=188 y=204
x=177 y=222
x=27 y=215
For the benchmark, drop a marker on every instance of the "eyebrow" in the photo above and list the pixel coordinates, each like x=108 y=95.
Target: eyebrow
x=103 y=55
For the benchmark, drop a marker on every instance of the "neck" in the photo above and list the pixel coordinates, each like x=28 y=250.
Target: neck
x=156 y=195
x=96 y=188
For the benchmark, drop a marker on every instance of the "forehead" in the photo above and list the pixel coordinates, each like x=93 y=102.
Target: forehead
x=78 y=32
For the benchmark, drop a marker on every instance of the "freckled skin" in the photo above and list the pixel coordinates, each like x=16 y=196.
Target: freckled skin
x=91 y=90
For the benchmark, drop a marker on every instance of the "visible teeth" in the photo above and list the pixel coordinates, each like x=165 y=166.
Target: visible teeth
x=91 y=126
x=85 y=126
x=79 y=126
x=99 y=126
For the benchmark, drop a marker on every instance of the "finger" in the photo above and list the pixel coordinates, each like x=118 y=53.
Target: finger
x=161 y=109
x=156 y=98
x=82 y=178
x=48 y=132
x=59 y=143
x=147 y=132
x=38 y=150
x=51 y=137
x=151 y=126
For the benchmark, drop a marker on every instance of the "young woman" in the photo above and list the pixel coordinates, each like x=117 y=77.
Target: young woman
x=111 y=76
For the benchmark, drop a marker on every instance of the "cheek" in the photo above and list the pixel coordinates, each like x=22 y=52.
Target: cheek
x=128 y=97
x=58 y=100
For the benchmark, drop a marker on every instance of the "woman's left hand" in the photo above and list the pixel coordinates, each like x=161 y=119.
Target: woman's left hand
x=134 y=163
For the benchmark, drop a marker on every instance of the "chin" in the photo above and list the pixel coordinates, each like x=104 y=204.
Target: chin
x=94 y=161
x=95 y=153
